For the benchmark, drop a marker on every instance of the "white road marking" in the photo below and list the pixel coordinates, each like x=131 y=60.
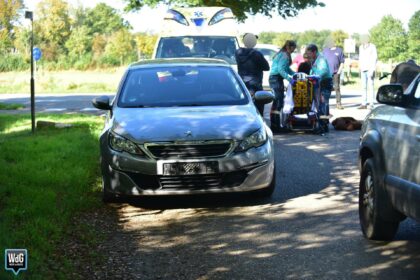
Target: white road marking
x=89 y=109
x=55 y=109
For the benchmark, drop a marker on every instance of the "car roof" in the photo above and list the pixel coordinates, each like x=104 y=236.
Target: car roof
x=166 y=62
x=267 y=46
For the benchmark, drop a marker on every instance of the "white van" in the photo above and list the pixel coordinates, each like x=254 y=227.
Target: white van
x=198 y=32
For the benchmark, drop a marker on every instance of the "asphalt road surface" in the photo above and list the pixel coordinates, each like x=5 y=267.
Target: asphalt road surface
x=309 y=229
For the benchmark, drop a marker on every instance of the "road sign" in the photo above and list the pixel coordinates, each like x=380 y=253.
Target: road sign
x=37 y=53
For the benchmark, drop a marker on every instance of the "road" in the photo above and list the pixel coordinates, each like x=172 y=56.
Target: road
x=309 y=229
x=47 y=103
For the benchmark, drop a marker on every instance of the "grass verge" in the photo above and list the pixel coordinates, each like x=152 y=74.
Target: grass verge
x=46 y=179
x=90 y=81
x=11 y=106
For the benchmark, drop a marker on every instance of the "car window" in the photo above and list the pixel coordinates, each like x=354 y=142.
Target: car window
x=182 y=86
x=222 y=47
x=267 y=52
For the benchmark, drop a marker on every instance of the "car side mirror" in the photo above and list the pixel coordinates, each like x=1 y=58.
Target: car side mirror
x=102 y=103
x=264 y=97
x=391 y=94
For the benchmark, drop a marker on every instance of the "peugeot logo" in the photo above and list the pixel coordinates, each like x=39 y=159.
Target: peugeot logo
x=188 y=133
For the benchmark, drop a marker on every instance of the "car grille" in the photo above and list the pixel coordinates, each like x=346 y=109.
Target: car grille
x=188 y=150
x=189 y=182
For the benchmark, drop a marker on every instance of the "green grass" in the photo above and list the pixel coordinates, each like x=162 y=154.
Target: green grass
x=90 y=81
x=45 y=180
x=11 y=106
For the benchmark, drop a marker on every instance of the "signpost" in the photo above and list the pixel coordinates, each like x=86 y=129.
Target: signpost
x=29 y=15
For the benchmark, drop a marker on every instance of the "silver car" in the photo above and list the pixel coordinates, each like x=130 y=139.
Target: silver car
x=389 y=162
x=184 y=126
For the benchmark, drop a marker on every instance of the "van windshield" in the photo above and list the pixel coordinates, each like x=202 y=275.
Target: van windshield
x=221 y=47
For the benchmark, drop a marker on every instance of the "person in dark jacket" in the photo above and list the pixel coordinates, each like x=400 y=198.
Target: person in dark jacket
x=251 y=64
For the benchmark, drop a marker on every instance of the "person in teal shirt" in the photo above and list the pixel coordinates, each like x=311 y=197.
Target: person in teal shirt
x=280 y=70
x=320 y=68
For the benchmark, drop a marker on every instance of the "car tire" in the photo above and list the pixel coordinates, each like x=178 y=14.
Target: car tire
x=371 y=202
x=268 y=191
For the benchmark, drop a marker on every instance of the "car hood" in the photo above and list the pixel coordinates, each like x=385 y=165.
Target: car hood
x=186 y=123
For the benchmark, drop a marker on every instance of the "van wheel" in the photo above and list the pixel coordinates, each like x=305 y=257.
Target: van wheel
x=371 y=201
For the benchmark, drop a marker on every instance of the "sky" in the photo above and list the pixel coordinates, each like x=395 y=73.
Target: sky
x=351 y=16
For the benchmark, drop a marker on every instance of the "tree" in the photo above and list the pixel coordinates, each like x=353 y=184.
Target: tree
x=313 y=37
x=266 y=37
x=338 y=37
x=120 y=45
x=9 y=14
x=285 y=8
x=103 y=19
x=145 y=44
x=414 y=37
x=390 y=39
x=282 y=37
x=79 y=42
x=52 y=27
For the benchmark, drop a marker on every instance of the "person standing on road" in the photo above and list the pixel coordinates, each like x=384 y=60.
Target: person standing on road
x=251 y=64
x=280 y=71
x=335 y=58
x=367 y=65
x=320 y=68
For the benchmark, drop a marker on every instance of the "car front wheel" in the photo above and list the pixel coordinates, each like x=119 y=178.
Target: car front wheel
x=371 y=201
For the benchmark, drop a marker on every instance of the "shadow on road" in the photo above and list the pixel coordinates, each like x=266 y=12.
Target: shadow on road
x=309 y=229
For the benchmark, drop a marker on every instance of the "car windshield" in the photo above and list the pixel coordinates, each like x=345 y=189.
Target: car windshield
x=222 y=47
x=181 y=86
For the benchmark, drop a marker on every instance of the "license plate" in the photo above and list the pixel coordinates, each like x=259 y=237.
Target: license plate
x=190 y=168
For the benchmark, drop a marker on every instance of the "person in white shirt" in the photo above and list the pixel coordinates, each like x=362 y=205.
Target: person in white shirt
x=367 y=65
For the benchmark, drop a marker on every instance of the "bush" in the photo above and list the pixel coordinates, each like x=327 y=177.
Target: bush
x=13 y=62
x=109 y=60
x=84 y=62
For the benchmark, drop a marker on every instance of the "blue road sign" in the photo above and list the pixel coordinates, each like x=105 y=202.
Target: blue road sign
x=37 y=53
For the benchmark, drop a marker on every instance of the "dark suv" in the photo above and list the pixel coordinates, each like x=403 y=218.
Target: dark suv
x=389 y=162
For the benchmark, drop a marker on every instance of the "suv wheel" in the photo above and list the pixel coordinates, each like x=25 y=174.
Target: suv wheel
x=371 y=201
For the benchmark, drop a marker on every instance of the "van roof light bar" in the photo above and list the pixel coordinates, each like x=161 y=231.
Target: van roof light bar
x=221 y=15
x=176 y=16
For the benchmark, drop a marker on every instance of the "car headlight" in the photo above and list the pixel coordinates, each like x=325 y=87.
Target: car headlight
x=120 y=144
x=256 y=139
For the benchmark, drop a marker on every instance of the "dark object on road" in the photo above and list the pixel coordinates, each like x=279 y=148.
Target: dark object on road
x=389 y=162
x=347 y=123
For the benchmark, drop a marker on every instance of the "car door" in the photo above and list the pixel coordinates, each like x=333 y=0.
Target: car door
x=403 y=137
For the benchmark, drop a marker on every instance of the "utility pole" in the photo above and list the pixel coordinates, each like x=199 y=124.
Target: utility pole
x=29 y=15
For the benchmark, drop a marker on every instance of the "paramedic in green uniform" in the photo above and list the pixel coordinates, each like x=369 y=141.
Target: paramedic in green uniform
x=320 y=68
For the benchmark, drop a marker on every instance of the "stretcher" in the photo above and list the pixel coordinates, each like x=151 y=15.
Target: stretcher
x=303 y=112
